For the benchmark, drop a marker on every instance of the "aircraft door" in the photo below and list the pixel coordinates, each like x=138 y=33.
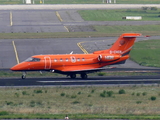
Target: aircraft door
x=47 y=63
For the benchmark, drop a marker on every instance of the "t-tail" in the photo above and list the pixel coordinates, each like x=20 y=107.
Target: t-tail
x=122 y=46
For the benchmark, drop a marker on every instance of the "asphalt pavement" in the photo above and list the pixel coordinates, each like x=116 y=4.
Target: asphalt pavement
x=29 y=47
x=91 y=81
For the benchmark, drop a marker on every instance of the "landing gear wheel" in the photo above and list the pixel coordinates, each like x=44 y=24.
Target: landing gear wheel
x=23 y=76
x=73 y=76
x=84 y=76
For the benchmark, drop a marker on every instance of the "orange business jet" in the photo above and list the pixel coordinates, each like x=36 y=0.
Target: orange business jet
x=72 y=64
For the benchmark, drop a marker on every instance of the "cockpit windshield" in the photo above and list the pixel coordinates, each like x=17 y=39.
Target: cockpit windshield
x=32 y=59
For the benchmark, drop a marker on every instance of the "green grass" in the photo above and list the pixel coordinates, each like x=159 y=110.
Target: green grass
x=11 y=2
x=100 y=2
x=116 y=15
x=144 y=29
x=82 y=1
x=52 y=35
x=70 y=2
x=10 y=74
x=79 y=116
x=86 y=103
x=101 y=31
x=56 y=35
x=146 y=53
x=138 y=1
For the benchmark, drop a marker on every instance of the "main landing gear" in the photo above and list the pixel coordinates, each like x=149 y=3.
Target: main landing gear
x=83 y=76
x=72 y=76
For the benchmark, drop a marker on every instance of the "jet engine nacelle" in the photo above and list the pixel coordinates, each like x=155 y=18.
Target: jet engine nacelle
x=108 y=57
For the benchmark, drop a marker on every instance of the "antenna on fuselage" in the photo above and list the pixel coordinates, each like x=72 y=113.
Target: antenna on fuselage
x=71 y=52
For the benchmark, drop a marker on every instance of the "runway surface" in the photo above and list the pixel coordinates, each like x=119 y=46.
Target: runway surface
x=151 y=78
x=119 y=80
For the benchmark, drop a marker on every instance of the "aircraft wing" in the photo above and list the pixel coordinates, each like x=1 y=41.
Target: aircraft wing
x=81 y=69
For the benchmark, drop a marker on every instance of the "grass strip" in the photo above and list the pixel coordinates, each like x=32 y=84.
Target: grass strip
x=148 y=14
x=119 y=29
x=88 y=102
x=10 y=74
x=78 y=116
x=101 y=31
x=146 y=53
x=81 y=2
x=52 y=35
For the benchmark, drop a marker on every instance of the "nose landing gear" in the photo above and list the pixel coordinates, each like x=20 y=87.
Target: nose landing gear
x=24 y=75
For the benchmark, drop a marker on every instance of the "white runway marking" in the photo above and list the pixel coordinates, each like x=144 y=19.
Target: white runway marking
x=70 y=81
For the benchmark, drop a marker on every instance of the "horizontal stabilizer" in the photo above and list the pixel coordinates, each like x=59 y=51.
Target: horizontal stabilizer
x=131 y=35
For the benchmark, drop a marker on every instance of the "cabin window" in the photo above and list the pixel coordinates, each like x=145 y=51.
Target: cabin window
x=61 y=60
x=78 y=59
x=55 y=60
x=83 y=59
x=66 y=59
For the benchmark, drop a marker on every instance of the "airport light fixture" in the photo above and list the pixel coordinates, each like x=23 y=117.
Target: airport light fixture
x=109 y=1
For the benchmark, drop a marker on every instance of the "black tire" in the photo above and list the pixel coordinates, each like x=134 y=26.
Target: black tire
x=23 y=77
x=72 y=76
x=84 y=76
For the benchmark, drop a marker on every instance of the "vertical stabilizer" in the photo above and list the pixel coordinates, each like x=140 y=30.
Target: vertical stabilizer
x=123 y=44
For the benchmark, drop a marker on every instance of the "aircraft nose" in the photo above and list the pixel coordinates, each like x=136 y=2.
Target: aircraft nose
x=21 y=67
x=14 y=68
